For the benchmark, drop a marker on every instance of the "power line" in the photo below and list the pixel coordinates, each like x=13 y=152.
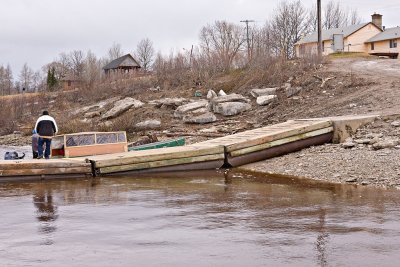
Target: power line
x=247 y=21
x=319 y=29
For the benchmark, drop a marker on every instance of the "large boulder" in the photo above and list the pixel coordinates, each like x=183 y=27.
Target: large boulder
x=200 y=119
x=228 y=98
x=266 y=99
x=231 y=108
x=265 y=91
x=221 y=93
x=95 y=107
x=385 y=144
x=169 y=102
x=93 y=114
x=148 y=125
x=291 y=91
x=211 y=94
x=121 y=106
x=184 y=109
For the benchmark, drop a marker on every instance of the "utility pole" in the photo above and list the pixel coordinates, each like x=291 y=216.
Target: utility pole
x=248 y=37
x=319 y=29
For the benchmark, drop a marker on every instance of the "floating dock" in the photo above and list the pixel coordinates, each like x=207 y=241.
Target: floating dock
x=191 y=157
x=44 y=169
x=229 y=151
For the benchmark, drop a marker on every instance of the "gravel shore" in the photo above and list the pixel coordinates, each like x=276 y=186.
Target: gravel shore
x=370 y=157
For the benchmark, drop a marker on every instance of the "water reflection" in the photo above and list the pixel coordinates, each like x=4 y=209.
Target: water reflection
x=46 y=212
x=322 y=239
x=224 y=218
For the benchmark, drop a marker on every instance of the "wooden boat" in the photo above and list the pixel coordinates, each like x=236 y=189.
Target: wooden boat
x=88 y=144
x=167 y=143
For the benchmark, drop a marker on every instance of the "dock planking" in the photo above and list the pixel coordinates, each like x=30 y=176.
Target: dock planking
x=143 y=156
x=267 y=134
x=42 y=168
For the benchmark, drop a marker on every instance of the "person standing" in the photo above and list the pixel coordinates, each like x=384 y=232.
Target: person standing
x=35 y=144
x=46 y=127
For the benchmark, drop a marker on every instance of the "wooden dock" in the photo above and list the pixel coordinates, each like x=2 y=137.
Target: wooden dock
x=229 y=151
x=189 y=157
x=44 y=169
x=271 y=141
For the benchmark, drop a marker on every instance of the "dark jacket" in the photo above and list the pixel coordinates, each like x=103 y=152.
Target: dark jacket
x=46 y=126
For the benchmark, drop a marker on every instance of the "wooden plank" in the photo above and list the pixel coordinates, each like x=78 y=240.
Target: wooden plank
x=42 y=177
x=294 y=138
x=97 y=149
x=40 y=164
x=267 y=134
x=135 y=157
x=182 y=168
x=160 y=163
x=45 y=171
x=279 y=150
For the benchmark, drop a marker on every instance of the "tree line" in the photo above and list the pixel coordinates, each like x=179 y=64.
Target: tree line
x=222 y=46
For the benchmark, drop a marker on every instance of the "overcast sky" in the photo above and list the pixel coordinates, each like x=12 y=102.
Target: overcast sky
x=36 y=31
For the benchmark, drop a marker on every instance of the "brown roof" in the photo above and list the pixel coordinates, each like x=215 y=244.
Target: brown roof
x=118 y=63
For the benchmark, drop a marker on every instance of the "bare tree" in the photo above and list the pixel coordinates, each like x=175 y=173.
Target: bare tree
x=37 y=81
x=26 y=77
x=77 y=60
x=115 y=52
x=8 y=79
x=145 y=53
x=287 y=26
x=2 y=80
x=337 y=16
x=92 y=68
x=354 y=18
x=222 y=40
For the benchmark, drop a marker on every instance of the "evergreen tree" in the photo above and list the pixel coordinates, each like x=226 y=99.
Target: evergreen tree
x=51 y=79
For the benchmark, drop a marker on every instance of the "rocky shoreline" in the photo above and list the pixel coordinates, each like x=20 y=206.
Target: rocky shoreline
x=369 y=157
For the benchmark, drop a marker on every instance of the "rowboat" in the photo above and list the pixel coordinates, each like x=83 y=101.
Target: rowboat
x=167 y=143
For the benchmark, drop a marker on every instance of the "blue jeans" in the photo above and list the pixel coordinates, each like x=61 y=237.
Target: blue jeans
x=41 y=142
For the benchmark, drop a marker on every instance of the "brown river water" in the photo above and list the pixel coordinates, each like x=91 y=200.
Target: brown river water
x=197 y=219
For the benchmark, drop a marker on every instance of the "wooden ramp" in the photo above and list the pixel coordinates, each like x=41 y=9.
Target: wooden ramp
x=54 y=168
x=271 y=141
x=189 y=157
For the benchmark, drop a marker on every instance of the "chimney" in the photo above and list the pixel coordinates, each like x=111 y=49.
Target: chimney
x=377 y=20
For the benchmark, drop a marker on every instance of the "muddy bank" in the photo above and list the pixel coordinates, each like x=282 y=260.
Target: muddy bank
x=370 y=157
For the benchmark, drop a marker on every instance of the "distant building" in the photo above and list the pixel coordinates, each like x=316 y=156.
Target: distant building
x=386 y=43
x=124 y=64
x=368 y=37
x=70 y=82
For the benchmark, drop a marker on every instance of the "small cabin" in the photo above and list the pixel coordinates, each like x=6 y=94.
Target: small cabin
x=70 y=82
x=124 y=64
x=88 y=144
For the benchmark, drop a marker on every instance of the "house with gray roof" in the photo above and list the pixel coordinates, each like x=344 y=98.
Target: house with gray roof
x=124 y=64
x=347 y=39
x=386 y=43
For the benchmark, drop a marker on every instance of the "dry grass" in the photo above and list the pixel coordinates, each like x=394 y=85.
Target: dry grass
x=350 y=55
